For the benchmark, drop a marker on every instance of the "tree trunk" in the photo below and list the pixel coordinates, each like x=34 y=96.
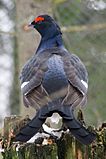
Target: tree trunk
x=27 y=42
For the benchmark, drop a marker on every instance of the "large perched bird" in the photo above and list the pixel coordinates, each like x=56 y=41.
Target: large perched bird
x=53 y=80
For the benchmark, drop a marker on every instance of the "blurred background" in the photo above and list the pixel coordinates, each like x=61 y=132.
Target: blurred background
x=83 y=23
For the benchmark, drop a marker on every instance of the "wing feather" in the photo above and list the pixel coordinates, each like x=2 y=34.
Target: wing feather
x=76 y=72
x=33 y=73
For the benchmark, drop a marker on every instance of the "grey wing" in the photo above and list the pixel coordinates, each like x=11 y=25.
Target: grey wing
x=76 y=73
x=78 y=79
x=31 y=79
x=80 y=68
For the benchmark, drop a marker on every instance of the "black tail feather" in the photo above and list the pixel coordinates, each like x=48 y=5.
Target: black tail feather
x=30 y=129
x=82 y=134
x=27 y=132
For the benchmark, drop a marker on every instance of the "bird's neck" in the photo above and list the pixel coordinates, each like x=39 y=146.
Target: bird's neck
x=55 y=41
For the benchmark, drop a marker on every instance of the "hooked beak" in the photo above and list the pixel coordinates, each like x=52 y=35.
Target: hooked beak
x=28 y=27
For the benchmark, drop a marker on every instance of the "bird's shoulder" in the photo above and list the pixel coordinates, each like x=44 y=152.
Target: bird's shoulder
x=76 y=72
x=33 y=71
x=37 y=61
x=80 y=67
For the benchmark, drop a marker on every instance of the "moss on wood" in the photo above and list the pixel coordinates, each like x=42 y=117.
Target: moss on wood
x=64 y=148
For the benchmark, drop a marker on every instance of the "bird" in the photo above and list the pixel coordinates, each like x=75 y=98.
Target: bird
x=53 y=80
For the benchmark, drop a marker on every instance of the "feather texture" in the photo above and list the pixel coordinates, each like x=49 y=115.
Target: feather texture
x=54 y=81
x=53 y=69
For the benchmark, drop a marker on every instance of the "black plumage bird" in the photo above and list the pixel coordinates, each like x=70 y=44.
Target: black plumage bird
x=53 y=80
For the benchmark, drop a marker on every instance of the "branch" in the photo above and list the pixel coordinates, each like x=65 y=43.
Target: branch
x=81 y=28
x=76 y=28
x=8 y=33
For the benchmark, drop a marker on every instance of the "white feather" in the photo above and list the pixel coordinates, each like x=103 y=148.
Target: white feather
x=1 y=150
x=38 y=135
x=85 y=84
x=24 y=84
x=52 y=131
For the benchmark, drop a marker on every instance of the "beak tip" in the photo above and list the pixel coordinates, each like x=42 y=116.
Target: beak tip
x=27 y=27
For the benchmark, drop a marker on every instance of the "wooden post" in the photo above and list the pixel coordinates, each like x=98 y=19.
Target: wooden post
x=31 y=151
x=64 y=148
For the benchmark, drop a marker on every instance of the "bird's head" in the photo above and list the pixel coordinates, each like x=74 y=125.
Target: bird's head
x=45 y=25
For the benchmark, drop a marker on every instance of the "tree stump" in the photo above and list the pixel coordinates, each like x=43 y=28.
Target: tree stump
x=64 y=148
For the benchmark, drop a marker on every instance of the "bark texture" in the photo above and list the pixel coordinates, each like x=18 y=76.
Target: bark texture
x=64 y=148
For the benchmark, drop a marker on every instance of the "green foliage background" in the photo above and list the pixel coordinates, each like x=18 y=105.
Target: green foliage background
x=83 y=23
x=90 y=46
